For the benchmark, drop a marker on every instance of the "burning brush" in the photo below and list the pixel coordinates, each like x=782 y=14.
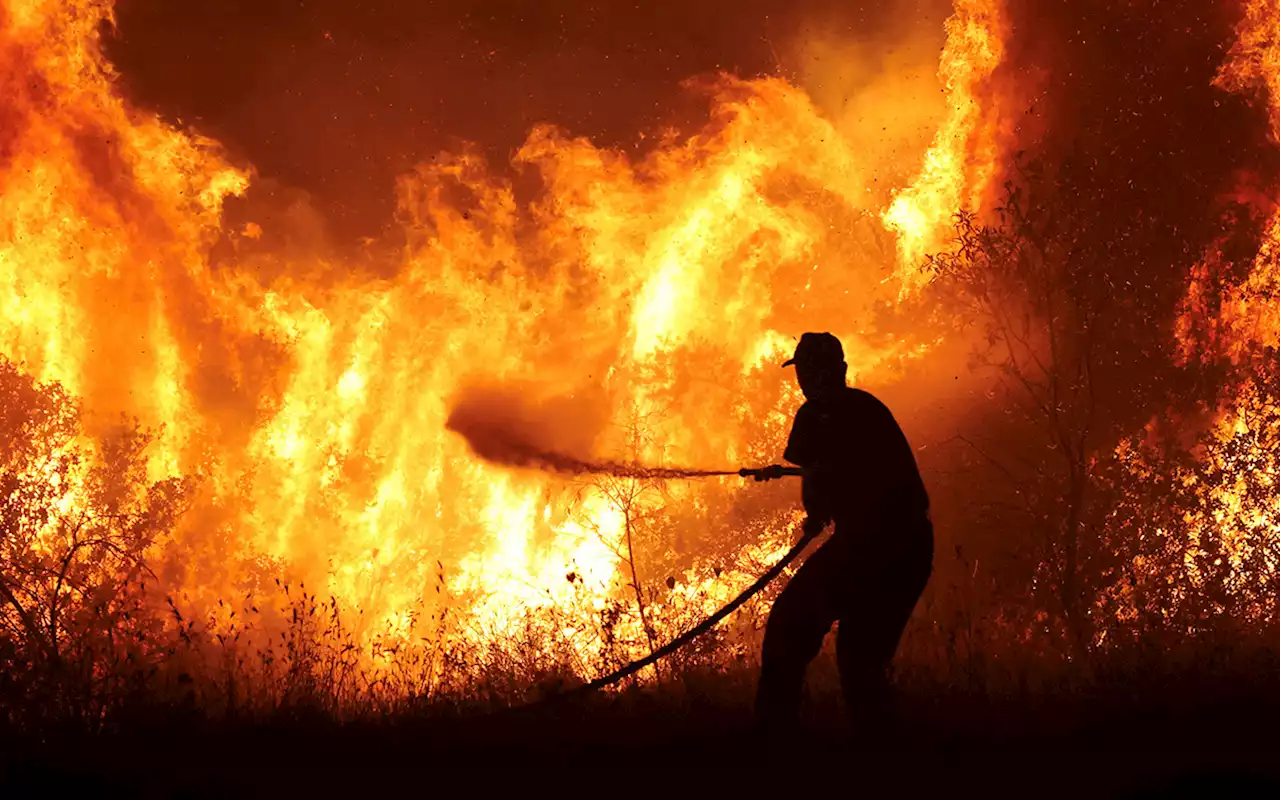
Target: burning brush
x=517 y=429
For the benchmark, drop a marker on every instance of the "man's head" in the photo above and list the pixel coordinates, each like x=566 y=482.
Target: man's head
x=819 y=363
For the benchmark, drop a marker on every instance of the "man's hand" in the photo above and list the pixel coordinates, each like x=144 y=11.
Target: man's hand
x=769 y=473
x=813 y=526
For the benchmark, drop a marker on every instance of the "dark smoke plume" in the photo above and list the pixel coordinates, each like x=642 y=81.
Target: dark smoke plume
x=517 y=429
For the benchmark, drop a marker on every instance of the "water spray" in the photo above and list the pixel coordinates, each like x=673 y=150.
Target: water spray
x=505 y=429
x=561 y=463
x=517 y=454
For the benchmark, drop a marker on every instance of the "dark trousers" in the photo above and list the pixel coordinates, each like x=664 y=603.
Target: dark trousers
x=868 y=581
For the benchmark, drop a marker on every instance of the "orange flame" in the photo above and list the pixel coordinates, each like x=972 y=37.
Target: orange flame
x=312 y=399
x=961 y=162
x=1232 y=510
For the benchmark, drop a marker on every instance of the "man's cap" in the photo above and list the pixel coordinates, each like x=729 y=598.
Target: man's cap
x=818 y=348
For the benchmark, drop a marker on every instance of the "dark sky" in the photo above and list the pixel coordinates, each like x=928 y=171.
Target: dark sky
x=336 y=97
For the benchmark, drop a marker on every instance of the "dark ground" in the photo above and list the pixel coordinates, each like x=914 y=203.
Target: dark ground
x=1220 y=743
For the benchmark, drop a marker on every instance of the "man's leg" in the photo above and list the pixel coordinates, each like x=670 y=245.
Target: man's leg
x=873 y=617
x=801 y=617
x=865 y=646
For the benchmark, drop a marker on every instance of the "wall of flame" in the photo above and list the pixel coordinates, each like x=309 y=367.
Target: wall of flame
x=309 y=398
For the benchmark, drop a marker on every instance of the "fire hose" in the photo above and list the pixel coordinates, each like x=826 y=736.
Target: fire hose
x=711 y=621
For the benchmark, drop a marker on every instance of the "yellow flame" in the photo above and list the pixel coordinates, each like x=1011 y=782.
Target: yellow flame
x=961 y=162
x=312 y=397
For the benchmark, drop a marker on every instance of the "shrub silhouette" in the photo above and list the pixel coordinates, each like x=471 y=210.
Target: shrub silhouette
x=75 y=528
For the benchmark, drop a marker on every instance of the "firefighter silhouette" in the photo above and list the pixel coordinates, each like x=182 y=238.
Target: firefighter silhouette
x=860 y=474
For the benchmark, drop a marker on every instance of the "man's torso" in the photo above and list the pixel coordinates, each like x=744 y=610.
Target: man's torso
x=864 y=468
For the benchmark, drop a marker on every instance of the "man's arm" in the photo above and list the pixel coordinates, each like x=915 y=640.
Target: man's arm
x=801 y=451
x=800 y=442
x=806 y=448
x=796 y=452
x=814 y=525
x=814 y=497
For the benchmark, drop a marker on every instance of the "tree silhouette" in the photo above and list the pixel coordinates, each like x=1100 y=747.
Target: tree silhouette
x=76 y=519
x=639 y=501
x=1031 y=278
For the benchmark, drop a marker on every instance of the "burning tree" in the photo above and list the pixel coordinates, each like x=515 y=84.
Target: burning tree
x=1195 y=522
x=637 y=501
x=1168 y=529
x=1195 y=514
x=1032 y=279
x=76 y=522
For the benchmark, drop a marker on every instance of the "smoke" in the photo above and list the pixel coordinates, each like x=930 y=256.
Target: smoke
x=516 y=427
x=876 y=80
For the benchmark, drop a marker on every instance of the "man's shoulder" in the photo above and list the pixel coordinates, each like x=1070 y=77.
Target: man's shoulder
x=868 y=410
x=807 y=416
x=862 y=399
x=851 y=404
